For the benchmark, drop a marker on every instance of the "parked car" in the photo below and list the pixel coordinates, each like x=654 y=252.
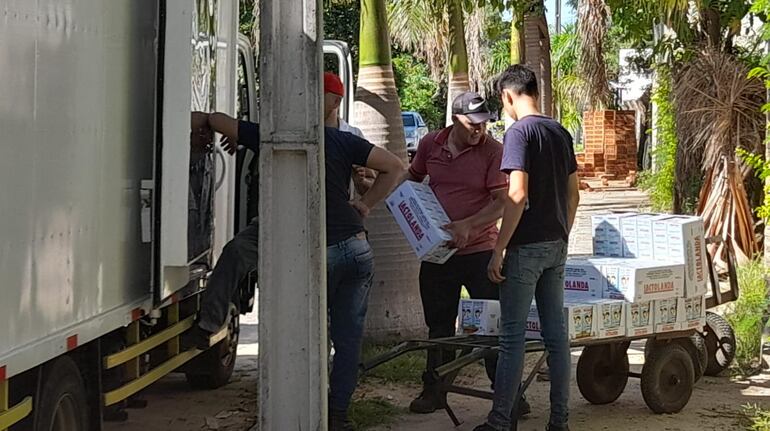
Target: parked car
x=414 y=130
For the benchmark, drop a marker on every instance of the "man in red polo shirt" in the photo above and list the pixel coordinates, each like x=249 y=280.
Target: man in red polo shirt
x=463 y=163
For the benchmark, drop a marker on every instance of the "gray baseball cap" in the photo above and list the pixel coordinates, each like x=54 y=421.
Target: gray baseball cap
x=473 y=106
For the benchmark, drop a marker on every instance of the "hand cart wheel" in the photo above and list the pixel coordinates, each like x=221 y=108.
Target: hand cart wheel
x=667 y=378
x=695 y=345
x=602 y=372
x=720 y=343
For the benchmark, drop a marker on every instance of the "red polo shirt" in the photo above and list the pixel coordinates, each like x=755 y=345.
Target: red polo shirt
x=463 y=183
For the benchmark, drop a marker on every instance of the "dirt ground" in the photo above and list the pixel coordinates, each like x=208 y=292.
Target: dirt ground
x=716 y=403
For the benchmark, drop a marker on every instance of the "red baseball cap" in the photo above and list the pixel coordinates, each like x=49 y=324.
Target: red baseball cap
x=333 y=84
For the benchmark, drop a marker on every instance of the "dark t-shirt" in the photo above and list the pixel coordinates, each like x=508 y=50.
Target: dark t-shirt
x=541 y=147
x=342 y=151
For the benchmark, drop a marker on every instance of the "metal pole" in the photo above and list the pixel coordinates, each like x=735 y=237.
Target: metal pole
x=558 y=17
x=293 y=346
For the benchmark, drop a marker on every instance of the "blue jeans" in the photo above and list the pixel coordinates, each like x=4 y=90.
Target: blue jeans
x=532 y=270
x=349 y=271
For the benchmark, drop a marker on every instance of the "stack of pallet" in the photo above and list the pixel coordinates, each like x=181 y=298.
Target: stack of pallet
x=610 y=145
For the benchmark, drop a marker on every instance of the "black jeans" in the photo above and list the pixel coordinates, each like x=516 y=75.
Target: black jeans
x=440 y=287
x=239 y=257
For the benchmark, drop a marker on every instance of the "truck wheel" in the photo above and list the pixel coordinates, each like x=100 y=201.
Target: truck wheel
x=720 y=344
x=602 y=372
x=63 y=404
x=667 y=378
x=214 y=367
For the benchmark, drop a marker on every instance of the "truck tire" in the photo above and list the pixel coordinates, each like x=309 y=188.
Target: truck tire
x=720 y=344
x=214 y=367
x=667 y=378
x=63 y=404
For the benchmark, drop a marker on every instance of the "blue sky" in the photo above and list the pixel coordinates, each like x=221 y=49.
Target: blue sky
x=567 y=13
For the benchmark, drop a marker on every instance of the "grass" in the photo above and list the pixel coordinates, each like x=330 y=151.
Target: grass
x=757 y=418
x=406 y=369
x=747 y=315
x=367 y=413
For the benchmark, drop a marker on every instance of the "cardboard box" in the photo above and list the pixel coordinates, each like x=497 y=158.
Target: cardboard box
x=607 y=234
x=681 y=239
x=478 y=317
x=644 y=224
x=534 y=331
x=630 y=238
x=640 y=280
x=667 y=315
x=420 y=217
x=611 y=321
x=581 y=276
x=579 y=316
x=581 y=320
x=692 y=312
x=639 y=318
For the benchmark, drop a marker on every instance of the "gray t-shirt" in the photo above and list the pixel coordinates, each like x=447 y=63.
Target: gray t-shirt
x=541 y=147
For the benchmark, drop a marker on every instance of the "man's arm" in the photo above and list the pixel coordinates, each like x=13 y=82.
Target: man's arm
x=514 y=203
x=389 y=171
x=461 y=229
x=573 y=199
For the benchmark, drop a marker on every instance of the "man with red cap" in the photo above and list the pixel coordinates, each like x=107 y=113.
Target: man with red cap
x=334 y=93
x=349 y=262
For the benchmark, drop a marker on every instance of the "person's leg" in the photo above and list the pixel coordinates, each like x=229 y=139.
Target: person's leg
x=550 y=305
x=440 y=294
x=348 y=300
x=239 y=257
x=523 y=267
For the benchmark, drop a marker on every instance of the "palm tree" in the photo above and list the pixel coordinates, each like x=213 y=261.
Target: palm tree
x=395 y=308
x=458 y=56
x=435 y=31
x=592 y=29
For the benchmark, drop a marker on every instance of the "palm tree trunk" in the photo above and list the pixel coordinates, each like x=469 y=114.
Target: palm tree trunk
x=458 y=56
x=394 y=304
x=517 y=37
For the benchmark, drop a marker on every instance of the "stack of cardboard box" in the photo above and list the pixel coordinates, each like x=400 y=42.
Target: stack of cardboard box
x=649 y=273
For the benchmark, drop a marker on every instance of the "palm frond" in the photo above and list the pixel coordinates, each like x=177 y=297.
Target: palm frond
x=421 y=28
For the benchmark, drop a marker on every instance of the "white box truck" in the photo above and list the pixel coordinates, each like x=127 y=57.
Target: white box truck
x=111 y=221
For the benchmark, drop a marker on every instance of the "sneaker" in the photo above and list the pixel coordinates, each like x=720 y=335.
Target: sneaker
x=196 y=337
x=484 y=427
x=552 y=427
x=339 y=422
x=428 y=402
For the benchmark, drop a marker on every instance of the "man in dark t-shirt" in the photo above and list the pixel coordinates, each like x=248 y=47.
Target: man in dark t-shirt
x=349 y=258
x=540 y=208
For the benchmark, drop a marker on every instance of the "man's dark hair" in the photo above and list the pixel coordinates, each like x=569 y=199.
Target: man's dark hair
x=519 y=79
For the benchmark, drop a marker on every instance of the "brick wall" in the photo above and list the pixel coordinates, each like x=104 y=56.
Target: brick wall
x=610 y=144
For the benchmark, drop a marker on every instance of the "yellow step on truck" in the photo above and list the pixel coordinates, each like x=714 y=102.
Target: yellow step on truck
x=111 y=221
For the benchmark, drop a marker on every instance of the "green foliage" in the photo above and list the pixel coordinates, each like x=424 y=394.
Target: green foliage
x=757 y=417
x=761 y=168
x=342 y=22
x=370 y=412
x=746 y=316
x=659 y=183
x=417 y=90
x=406 y=369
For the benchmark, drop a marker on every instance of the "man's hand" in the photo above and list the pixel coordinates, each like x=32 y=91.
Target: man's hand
x=361 y=207
x=461 y=232
x=229 y=144
x=495 y=267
